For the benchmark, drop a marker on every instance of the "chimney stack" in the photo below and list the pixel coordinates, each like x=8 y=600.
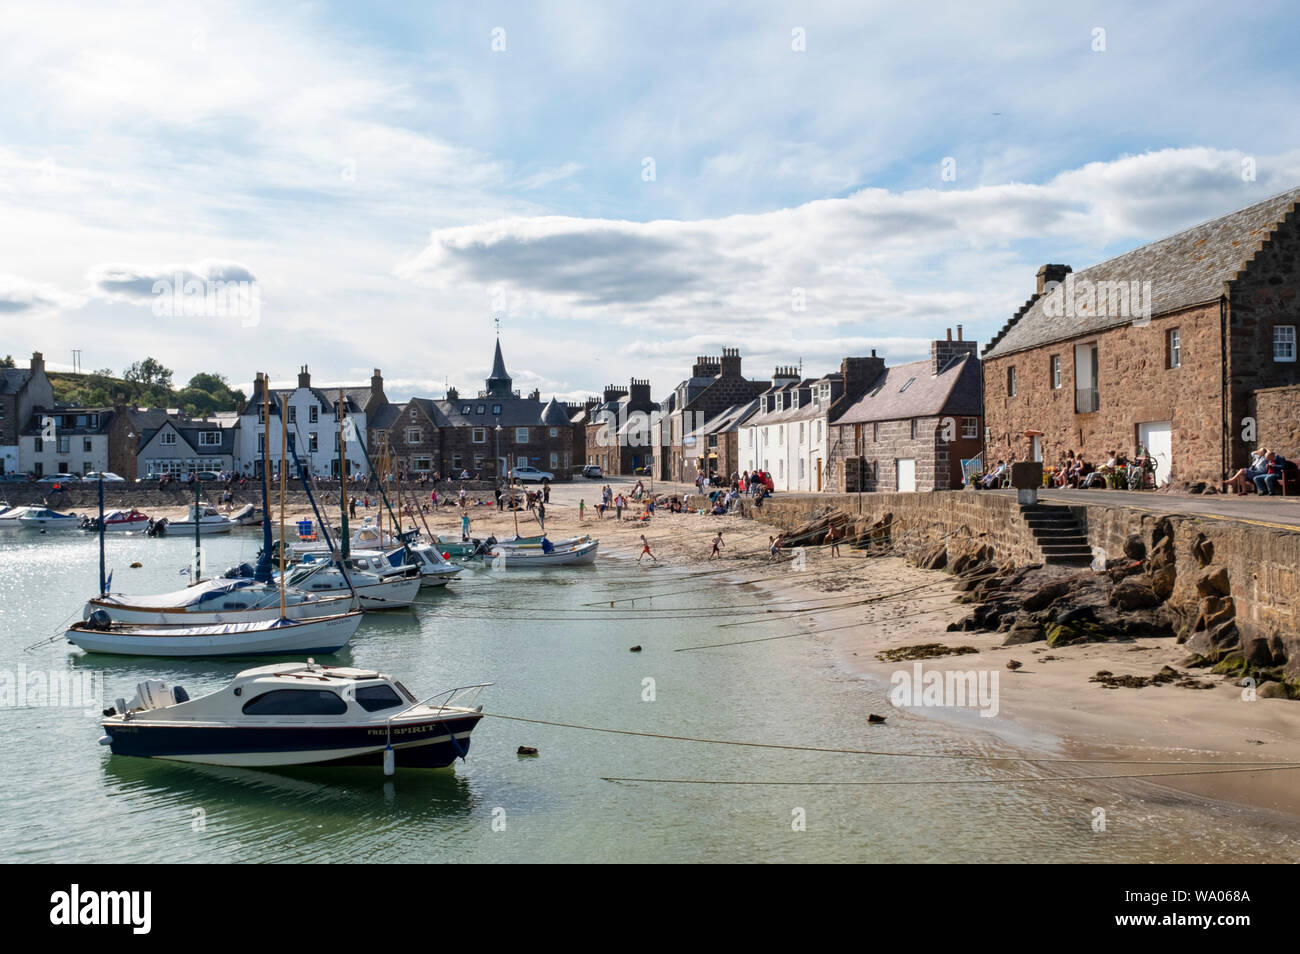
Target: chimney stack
x=639 y=393
x=304 y=378
x=38 y=362
x=730 y=364
x=943 y=352
x=377 y=388
x=1051 y=274
x=859 y=374
x=452 y=394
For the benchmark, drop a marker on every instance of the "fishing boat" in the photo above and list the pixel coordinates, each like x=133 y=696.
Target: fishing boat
x=435 y=569
x=274 y=637
x=207 y=517
x=218 y=601
x=536 y=543
x=297 y=714
x=546 y=555
x=44 y=519
x=117 y=521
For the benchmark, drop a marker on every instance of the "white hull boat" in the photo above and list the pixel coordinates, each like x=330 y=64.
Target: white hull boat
x=218 y=601
x=39 y=518
x=397 y=591
x=209 y=522
x=297 y=714
x=325 y=634
x=529 y=558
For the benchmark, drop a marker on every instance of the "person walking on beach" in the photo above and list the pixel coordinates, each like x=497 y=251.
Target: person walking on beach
x=582 y=509
x=833 y=540
x=464 y=526
x=433 y=499
x=541 y=515
x=501 y=499
x=546 y=491
x=645 y=550
x=618 y=506
x=352 y=507
x=717 y=546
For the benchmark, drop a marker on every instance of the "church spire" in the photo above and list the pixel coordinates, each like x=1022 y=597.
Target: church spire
x=499 y=383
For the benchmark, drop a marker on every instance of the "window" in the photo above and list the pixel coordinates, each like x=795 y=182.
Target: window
x=421 y=463
x=261 y=413
x=1011 y=382
x=87 y=446
x=479 y=435
x=312 y=443
x=167 y=439
x=801 y=436
x=39 y=446
x=293 y=414
x=39 y=470
x=65 y=444
x=94 y=420
x=1284 y=342
x=521 y=435
x=1174 y=350
x=412 y=435
x=496 y=408
x=970 y=428
x=465 y=409
x=912 y=422
x=555 y=432
x=261 y=443
x=555 y=461
x=481 y=409
x=910 y=382
x=1056 y=372
x=456 y=462
x=375 y=698
x=875 y=432
x=87 y=467
x=209 y=438
x=296 y=702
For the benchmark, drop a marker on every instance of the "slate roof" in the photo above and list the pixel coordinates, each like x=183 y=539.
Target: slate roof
x=13 y=380
x=555 y=414
x=189 y=432
x=955 y=390
x=387 y=415
x=1185 y=269
x=34 y=426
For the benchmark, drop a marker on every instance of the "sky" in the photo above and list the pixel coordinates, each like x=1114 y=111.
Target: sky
x=618 y=187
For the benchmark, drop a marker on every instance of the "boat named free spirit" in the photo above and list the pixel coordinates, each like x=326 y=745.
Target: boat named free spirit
x=297 y=714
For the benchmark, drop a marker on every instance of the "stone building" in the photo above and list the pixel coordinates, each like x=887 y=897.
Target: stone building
x=22 y=391
x=619 y=429
x=313 y=427
x=77 y=440
x=912 y=426
x=715 y=384
x=1177 y=345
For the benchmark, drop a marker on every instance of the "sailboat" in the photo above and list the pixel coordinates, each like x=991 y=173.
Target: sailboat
x=279 y=635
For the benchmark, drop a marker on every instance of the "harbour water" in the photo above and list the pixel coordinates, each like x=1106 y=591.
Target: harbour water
x=553 y=657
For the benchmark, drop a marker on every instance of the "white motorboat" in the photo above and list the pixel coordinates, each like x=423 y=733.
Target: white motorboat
x=324 y=634
x=435 y=569
x=216 y=601
x=246 y=516
x=44 y=519
x=297 y=714
x=366 y=537
x=378 y=585
x=118 y=521
x=9 y=519
x=504 y=557
x=210 y=521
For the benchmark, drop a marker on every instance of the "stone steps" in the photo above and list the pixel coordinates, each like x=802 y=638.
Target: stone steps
x=1058 y=535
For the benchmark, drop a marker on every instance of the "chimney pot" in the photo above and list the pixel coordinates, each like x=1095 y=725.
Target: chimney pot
x=959 y=332
x=949 y=334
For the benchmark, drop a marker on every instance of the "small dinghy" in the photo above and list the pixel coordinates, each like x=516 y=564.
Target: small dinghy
x=246 y=516
x=297 y=714
x=570 y=553
x=277 y=637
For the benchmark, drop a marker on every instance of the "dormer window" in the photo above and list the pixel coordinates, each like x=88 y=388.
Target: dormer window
x=496 y=408
x=910 y=382
x=481 y=409
x=466 y=408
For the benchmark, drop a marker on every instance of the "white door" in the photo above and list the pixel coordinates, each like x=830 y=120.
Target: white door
x=1158 y=437
x=906 y=474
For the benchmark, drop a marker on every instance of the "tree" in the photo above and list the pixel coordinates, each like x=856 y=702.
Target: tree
x=7 y=362
x=149 y=373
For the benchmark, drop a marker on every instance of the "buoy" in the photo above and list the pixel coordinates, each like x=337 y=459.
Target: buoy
x=136 y=565
x=635 y=649
x=390 y=760
x=526 y=750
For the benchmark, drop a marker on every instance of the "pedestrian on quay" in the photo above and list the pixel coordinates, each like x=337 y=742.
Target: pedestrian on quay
x=717 y=546
x=833 y=540
x=645 y=550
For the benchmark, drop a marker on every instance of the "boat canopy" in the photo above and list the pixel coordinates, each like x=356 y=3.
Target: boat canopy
x=190 y=596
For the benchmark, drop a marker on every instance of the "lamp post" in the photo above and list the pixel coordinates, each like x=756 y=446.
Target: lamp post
x=498 y=461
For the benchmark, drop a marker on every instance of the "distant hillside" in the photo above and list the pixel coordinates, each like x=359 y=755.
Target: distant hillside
x=204 y=394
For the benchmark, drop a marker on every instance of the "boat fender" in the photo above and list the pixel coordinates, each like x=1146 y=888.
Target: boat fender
x=390 y=760
x=105 y=740
x=110 y=712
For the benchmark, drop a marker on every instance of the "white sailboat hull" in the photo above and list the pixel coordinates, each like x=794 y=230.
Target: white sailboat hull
x=327 y=634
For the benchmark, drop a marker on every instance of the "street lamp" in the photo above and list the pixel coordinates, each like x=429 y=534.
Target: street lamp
x=498 y=430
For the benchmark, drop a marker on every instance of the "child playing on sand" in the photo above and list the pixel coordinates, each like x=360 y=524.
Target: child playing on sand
x=771 y=548
x=582 y=509
x=645 y=550
x=717 y=546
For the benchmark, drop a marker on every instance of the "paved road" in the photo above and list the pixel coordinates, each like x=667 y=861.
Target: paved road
x=1265 y=511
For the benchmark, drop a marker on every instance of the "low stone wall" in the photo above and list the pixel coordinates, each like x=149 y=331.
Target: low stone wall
x=81 y=497
x=1262 y=563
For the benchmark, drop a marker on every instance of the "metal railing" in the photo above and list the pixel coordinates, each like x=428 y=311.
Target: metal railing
x=1085 y=400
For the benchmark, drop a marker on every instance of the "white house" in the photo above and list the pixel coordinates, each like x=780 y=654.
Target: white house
x=313 y=428
x=177 y=445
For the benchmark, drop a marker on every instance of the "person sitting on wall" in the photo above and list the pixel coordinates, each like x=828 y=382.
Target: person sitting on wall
x=994 y=476
x=1274 y=468
x=1243 y=481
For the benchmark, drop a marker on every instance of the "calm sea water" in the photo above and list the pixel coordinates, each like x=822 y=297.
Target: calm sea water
x=68 y=799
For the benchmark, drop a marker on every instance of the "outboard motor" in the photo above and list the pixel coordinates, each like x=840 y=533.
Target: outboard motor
x=150 y=694
x=180 y=695
x=243 y=571
x=99 y=621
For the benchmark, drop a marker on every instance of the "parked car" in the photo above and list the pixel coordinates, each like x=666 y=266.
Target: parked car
x=58 y=479
x=527 y=474
x=592 y=472
x=109 y=477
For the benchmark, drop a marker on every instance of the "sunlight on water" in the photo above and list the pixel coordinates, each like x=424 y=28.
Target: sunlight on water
x=68 y=799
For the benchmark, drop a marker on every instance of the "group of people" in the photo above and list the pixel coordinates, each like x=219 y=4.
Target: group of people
x=1262 y=474
x=1071 y=470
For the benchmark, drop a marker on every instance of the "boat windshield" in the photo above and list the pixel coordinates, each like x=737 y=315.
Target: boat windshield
x=377 y=698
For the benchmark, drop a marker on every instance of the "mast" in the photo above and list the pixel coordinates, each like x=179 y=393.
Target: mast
x=514 y=506
x=343 y=482
x=263 y=574
x=284 y=445
x=103 y=583
x=198 y=547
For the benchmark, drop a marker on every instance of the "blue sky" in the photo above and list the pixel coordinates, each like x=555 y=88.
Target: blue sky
x=390 y=180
